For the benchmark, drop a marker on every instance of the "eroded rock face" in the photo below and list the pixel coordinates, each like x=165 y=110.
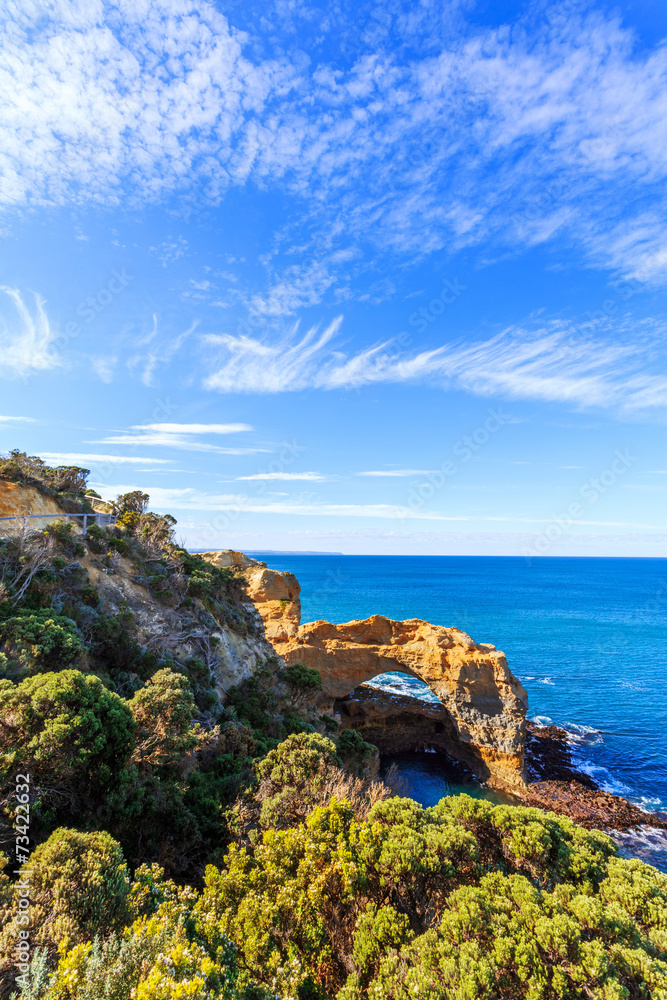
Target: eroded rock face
x=274 y=594
x=235 y=657
x=224 y=558
x=482 y=717
x=276 y=597
x=16 y=499
x=485 y=704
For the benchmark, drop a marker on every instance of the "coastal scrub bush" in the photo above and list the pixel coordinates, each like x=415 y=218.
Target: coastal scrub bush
x=302 y=682
x=161 y=955
x=72 y=734
x=355 y=751
x=112 y=643
x=163 y=710
x=63 y=533
x=38 y=640
x=302 y=679
x=411 y=902
x=79 y=886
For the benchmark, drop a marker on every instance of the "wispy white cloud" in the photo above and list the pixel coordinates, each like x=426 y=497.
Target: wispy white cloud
x=398 y=473
x=181 y=437
x=79 y=458
x=194 y=428
x=26 y=337
x=548 y=364
x=431 y=138
x=104 y=368
x=166 y=499
x=310 y=477
x=251 y=365
x=22 y=420
x=149 y=361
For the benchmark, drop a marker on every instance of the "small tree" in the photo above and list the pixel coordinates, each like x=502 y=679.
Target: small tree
x=68 y=479
x=135 y=502
x=303 y=682
x=71 y=733
x=163 y=710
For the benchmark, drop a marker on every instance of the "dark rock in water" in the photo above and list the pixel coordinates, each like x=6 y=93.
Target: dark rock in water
x=589 y=807
x=548 y=756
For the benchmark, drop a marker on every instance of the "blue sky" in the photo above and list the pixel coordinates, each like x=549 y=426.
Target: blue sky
x=349 y=277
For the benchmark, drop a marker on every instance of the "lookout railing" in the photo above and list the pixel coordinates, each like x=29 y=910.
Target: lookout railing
x=21 y=520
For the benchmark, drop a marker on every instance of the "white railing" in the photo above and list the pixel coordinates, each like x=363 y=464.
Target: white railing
x=103 y=520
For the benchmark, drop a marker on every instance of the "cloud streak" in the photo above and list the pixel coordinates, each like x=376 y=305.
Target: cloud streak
x=547 y=364
x=79 y=458
x=26 y=337
x=309 y=477
x=182 y=437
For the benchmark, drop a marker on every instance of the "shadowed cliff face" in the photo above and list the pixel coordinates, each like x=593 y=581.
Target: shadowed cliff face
x=482 y=717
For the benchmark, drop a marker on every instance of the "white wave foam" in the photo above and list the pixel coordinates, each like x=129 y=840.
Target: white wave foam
x=547 y=680
x=395 y=684
x=602 y=777
x=577 y=733
x=646 y=803
x=647 y=843
x=530 y=678
x=542 y=720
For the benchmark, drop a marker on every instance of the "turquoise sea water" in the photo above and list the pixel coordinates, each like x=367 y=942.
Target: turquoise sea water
x=587 y=638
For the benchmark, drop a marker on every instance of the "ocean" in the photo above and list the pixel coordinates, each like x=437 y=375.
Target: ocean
x=587 y=637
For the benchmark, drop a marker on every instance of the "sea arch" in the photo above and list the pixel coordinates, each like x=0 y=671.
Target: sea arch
x=482 y=710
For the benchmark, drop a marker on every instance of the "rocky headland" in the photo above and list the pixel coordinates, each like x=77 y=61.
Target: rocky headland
x=479 y=722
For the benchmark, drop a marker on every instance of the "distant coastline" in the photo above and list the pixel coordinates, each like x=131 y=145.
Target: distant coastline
x=276 y=552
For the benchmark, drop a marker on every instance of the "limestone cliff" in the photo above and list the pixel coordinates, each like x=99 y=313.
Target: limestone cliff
x=274 y=594
x=481 y=719
x=232 y=656
x=16 y=499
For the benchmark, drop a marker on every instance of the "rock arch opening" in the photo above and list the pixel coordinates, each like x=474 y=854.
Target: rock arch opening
x=479 y=717
x=481 y=707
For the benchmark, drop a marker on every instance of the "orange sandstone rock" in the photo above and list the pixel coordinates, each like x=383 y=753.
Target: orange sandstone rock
x=485 y=705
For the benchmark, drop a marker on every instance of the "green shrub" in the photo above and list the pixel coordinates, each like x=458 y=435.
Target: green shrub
x=63 y=532
x=79 y=887
x=163 y=955
x=112 y=641
x=416 y=904
x=352 y=746
x=163 y=710
x=70 y=733
x=200 y=584
x=292 y=775
x=38 y=640
x=254 y=701
x=118 y=545
x=302 y=679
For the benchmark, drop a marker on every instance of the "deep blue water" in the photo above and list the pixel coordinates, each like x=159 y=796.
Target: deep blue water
x=586 y=636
